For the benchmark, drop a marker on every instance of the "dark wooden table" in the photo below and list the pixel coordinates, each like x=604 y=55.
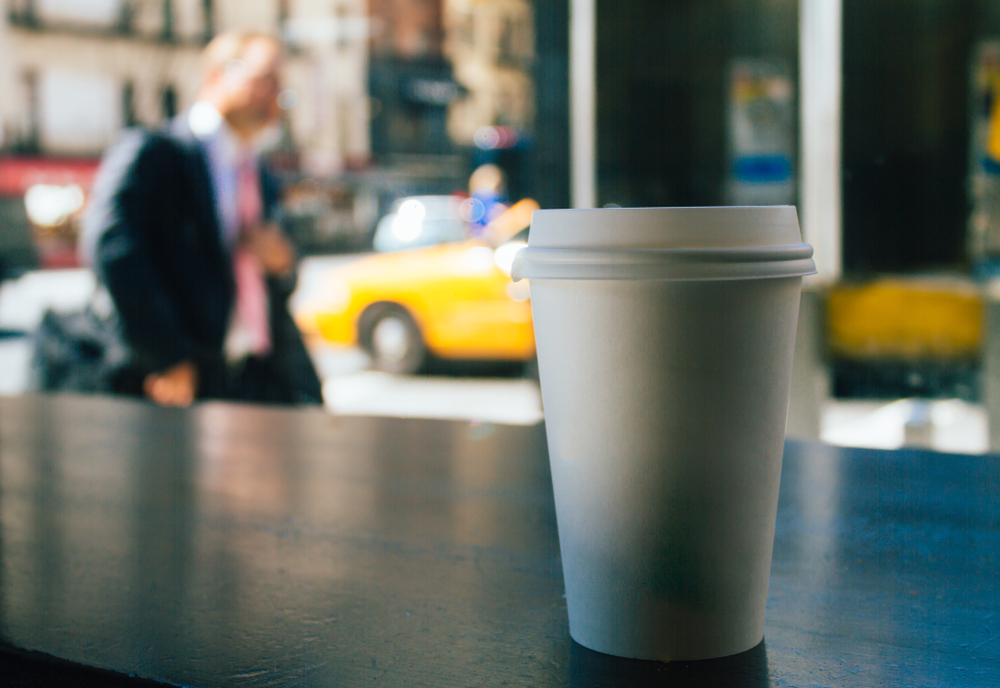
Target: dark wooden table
x=242 y=546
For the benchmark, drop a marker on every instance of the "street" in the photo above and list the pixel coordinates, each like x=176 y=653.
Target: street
x=348 y=387
x=491 y=394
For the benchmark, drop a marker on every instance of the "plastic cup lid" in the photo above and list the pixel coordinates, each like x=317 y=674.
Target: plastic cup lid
x=665 y=243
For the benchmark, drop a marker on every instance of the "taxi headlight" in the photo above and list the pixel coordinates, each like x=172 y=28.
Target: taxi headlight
x=504 y=255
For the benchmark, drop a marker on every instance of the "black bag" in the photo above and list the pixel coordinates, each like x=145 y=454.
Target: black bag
x=292 y=358
x=78 y=351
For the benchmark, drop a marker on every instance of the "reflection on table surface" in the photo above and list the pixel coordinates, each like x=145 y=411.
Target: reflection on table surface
x=238 y=545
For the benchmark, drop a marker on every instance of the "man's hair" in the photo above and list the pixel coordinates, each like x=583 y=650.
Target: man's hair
x=230 y=46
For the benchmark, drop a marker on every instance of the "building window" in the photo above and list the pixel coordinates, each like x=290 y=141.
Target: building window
x=167 y=28
x=168 y=102
x=129 y=118
x=23 y=12
x=515 y=41
x=341 y=16
x=126 y=18
x=208 y=17
x=29 y=139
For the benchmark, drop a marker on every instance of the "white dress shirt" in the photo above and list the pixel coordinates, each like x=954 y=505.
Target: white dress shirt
x=224 y=152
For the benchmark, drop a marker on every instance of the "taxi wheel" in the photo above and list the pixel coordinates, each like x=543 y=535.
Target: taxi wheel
x=392 y=339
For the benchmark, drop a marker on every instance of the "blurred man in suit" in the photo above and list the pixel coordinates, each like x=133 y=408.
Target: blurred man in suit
x=182 y=232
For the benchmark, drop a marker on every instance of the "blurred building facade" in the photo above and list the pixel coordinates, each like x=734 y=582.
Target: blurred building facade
x=409 y=80
x=74 y=72
x=411 y=85
x=492 y=45
x=443 y=71
x=492 y=48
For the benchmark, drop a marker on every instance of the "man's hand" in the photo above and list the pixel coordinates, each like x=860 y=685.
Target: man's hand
x=173 y=387
x=271 y=249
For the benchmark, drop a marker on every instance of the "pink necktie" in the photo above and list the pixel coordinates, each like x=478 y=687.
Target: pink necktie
x=252 y=333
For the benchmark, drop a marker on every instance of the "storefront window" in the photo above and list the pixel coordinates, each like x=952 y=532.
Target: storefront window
x=669 y=107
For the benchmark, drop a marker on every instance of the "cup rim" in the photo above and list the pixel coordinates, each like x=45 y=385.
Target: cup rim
x=730 y=263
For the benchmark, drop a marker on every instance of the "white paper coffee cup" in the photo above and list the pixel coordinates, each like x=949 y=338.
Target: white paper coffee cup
x=665 y=339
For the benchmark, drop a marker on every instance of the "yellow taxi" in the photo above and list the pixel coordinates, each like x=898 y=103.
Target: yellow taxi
x=453 y=300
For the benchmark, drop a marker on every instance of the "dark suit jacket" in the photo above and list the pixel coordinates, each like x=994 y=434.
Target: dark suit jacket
x=152 y=233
